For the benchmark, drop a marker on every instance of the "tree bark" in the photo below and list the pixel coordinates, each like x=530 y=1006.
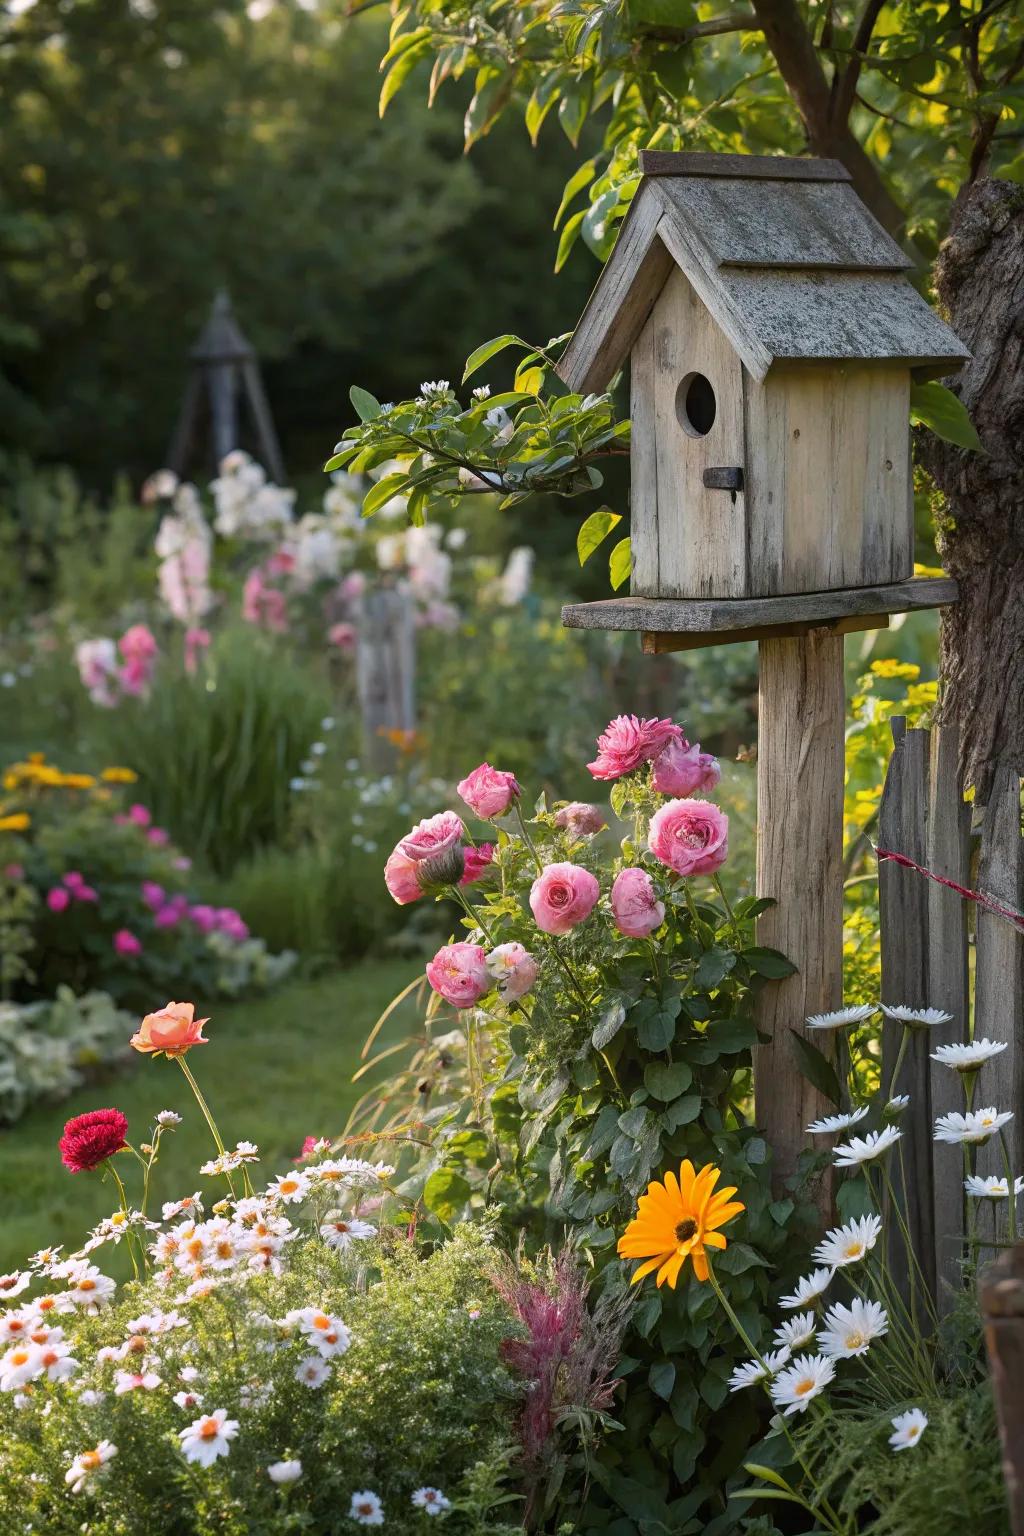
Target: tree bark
x=979 y=277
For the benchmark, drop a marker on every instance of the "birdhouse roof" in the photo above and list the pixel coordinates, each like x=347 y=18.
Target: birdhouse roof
x=784 y=255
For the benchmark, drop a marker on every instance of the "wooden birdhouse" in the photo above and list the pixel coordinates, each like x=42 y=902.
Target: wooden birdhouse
x=772 y=336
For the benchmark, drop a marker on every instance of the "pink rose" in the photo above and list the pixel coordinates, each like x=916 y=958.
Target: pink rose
x=513 y=968
x=562 y=896
x=433 y=835
x=459 y=973
x=690 y=836
x=626 y=742
x=580 y=819
x=400 y=878
x=125 y=943
x=477 y=861
x=59 y=899
x=683 y=770
x=488 y=791
x=635 y=907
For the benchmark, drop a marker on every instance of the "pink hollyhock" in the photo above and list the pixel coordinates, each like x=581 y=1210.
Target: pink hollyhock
x=153 y=895
x=690 y=836
x=477 y=860
x=281 y=563
x=90 y=1139
x=635 y=906
x=343 y=636
x=433 y=835
x=683 y=770
x=401 y=879
x=562 y=896
x=264 y=605
x=459 y=973
x=580 y=819
x=196 y=640
x=514 y=969
x=59 y=899
x=626 y=742
x=125 y=943
x=489 y=792
x=139 y=648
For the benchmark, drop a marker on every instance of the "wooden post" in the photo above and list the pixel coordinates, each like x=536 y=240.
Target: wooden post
x=800 y=767
x=999 y=973
x=385 y=674
x=1001 y=1289
x=903 y=920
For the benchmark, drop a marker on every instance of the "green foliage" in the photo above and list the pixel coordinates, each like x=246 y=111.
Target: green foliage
x=47 y=1049
x=934 y=406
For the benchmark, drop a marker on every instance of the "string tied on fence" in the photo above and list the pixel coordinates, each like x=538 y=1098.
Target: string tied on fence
x=1008 y=914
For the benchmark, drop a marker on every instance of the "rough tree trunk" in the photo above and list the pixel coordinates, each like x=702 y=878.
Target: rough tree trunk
x=980 y=281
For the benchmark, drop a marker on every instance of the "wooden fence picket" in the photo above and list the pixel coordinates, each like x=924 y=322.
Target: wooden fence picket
x=999 y=966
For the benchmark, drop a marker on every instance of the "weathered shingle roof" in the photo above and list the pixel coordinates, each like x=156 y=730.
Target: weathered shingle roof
x=785 y=256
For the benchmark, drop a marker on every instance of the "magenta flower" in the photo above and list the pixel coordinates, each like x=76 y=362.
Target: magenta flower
x=158 y=837
x=489 y=792
x=203 y=917
x=125 y=943
x=627 y=742
x=168 y=916
x=635 y=908
x=477 y=861
x=459 y=973
x=153 y=895
x=139 y=816
x=196 y=640
x=562 y=896
x=59 y=899
x=690 y=837
x=14 y=871
x=433 y=835
x=683 y=770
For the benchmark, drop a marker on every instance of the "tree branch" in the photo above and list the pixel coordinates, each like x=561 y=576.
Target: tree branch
x=732 y=21
x=844 y=97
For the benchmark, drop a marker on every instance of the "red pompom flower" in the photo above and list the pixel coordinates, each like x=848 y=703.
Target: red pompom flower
x=90 y=1139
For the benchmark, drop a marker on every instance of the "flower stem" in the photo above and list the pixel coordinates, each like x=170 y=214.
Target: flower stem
x=527 y=839
x=471 y=912
x=207 y=1115
x=127 y=1216
x=720 y=888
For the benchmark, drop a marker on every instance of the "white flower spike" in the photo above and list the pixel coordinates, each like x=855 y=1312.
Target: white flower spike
x=907 y=1429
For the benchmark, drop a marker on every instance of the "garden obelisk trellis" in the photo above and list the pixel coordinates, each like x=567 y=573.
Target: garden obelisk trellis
x=772 y=336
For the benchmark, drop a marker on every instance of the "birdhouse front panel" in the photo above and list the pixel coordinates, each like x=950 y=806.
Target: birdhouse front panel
x=772 y=337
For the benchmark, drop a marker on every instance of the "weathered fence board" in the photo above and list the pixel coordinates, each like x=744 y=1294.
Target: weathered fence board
x=385 y=674
x=999 y=966
x=1001 y=1290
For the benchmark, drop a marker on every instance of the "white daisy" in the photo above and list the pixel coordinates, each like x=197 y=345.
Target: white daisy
x=89 y=1289
x=208 y=1437
x=830 y=1123
x=19 y=1366
x=312 y=1372
x=328 y=1335
x=976 y=1126
x=55 y=1360
x=16 y=1325
x=366 y=1509
x=797 y=1332
x=87 y=1463
x=862 y=1149
x=919 y=1018
x=808 y=1289
x=753 y=1371
x=991 y=1188
x=135 y=1381
x=805 y=1379
x=840 y=1018
x=190 y=1400
x=289 y=1187
x=968 y=1058
x=849 y=1330
x=285 y=1471
x=340 y=1231
x=46 y=1258
x=190 y=1205
x=896 y=1105
x=13 y=1284
x=908 y=1428
x=848 y=1244
x=432 y=1500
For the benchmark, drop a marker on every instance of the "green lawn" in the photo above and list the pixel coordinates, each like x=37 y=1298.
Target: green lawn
x=276 y=1070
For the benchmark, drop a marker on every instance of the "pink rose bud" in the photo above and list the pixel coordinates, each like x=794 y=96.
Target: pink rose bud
x=125 y=943
x=562 y=896
x=459 y=973
x=59 y=899
x=477 y=861
x=442 y=870
x=690 y=836
x=580 y=819
x=400 y=878
x=432 y=836
x=513 y=968
x=627 y=742
x=488 y=791
x=635 y=906
x=683 y=770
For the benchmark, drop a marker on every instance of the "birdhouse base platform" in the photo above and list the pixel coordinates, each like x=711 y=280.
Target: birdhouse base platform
x=683 y=624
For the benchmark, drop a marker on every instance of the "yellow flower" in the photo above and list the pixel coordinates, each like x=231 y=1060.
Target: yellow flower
x=77 y=781
x=893 y=668
x=678 y=1220
x=119 y=776
x=20 y=821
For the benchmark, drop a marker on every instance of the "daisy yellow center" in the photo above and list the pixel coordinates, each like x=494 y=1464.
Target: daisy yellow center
x=365 y=1509
x=321 y=1322
x=87 y=1284
x=90 y=1460
x=330 y=1174
x=19 y=1357
x=803 y=1387
x=225 y=1248
x=209 y=1429
x=855 y=1341
x=341 y=1226
x=288 y=1186
x=686 y=1229
x=44 y=1303
x=137 y=1345
x=118 y=1218
x=913 y=1431
x=853 y=1250
x=50 y=1357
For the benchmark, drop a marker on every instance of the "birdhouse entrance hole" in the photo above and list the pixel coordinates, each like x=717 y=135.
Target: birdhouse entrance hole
x=696 y=405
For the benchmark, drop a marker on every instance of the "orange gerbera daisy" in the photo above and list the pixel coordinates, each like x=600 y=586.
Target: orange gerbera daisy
x=678 y=1220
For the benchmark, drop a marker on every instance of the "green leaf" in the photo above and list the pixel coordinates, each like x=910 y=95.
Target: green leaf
x=568 y=239
x=487 y=350
x=365 y=406
x=934 y=406
x=574 y=186
x=389 y=486
x=683 y=1112
x=667 y=1080
x=661 y=1378
x=655 y=1025
x=769 y=963
x=767 y=1473
x=816 y=1068
x=446 y=1193
x=730 y=1035
x=609 y=1023
x=594 y=531
x=620 y=563
x=401 y=70
x=713 y=967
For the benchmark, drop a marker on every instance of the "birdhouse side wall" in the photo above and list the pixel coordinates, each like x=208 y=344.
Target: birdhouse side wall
x=687 y=540
x=829 y=482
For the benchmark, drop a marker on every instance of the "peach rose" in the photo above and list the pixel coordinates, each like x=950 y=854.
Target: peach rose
x=562 y=896
x=690 y=836
x=635 y=907
x=173 y=1030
